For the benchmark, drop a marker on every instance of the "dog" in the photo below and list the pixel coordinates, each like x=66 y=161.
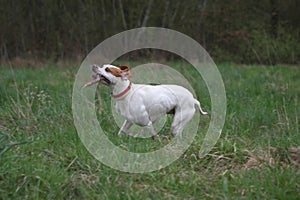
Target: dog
x=143 y=104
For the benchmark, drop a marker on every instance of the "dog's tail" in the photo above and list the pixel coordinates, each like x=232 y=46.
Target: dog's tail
x=199 y=107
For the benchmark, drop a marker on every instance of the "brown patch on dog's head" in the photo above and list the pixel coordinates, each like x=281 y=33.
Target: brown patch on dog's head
x=121 y=71
x=114 y=71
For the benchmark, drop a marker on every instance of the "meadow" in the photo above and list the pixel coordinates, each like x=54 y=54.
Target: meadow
x=256 y=157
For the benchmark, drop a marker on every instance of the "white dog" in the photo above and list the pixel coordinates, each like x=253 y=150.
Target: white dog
x=144 y=104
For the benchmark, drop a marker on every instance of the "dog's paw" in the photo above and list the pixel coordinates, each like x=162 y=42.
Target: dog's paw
x=154 y=137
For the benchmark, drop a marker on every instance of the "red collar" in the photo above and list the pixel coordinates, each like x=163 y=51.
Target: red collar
x=122 y=93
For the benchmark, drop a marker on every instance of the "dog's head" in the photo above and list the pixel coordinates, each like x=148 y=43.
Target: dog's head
x=109 y=74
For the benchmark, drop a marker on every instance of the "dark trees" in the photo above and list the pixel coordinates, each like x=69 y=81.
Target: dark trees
x=264 y=31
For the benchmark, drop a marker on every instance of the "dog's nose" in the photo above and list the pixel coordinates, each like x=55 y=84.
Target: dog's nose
x=95 y=68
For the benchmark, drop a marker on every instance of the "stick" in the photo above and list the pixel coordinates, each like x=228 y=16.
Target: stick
x=91 y=83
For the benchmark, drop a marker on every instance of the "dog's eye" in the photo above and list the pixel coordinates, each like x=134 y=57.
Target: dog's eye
x=107 y=69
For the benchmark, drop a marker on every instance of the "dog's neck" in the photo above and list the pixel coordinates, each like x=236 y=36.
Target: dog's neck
x=120 y=87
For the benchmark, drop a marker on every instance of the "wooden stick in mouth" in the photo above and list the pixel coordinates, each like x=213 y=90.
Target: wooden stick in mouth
x=91 y=82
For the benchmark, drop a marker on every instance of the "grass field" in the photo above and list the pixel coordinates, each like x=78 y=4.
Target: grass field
x=42 y=157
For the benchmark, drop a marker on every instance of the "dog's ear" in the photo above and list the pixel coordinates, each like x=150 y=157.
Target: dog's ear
x=121 y=71
x=124 y=68
x=126 y=74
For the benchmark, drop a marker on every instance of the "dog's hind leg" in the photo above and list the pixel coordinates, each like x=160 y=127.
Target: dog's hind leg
x=126 y=125
x=181 y=118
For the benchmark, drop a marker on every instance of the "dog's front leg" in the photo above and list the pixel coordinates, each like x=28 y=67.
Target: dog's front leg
x=126 y=125
x=151 y=128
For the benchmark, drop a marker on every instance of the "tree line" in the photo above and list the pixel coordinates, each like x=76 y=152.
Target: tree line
x=264 y=32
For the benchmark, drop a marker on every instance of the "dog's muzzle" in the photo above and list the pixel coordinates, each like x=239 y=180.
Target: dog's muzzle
x=98 y=78
x=104 y=80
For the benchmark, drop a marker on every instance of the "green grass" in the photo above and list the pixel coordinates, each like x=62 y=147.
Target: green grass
x=42 y=157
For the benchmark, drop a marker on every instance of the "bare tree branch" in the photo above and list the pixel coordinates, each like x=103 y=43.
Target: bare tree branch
x=103 y=16
x=147 y=14
x=165 y=14
x=171 y=22
x=103 y=10
x=123 y=15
